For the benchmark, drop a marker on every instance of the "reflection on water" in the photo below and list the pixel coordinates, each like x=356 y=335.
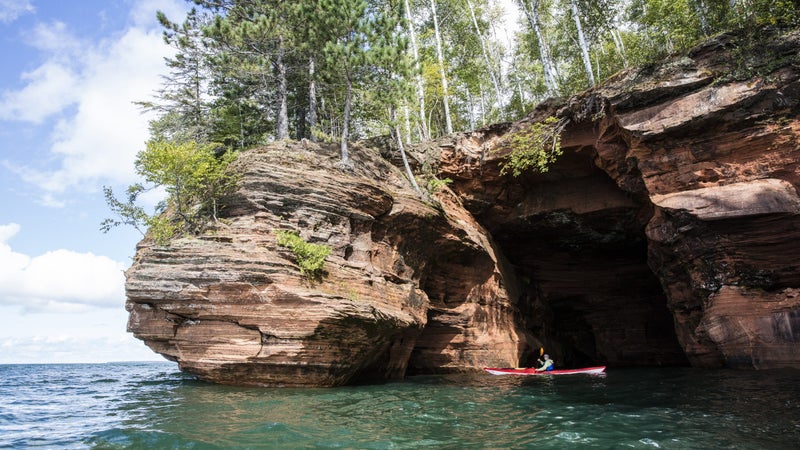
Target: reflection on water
x=154 y=406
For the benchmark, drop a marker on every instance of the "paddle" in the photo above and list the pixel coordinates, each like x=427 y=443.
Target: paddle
x=541 y=352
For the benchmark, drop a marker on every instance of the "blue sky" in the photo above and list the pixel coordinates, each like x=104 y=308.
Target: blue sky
x=68 y=126
x=71 y=71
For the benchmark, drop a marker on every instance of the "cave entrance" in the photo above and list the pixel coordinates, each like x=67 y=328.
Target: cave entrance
x=578 y=246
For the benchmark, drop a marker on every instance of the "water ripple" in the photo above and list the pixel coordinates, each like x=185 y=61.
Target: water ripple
x=154 y=406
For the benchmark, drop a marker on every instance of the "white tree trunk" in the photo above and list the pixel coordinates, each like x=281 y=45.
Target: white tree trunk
x=587 y=61
x=550 y=76
x=409 y=173
x=471 y=110
x=700 y=10
x=619 y=45
x=518 y=83
x=483 y=105
x=407 y=122
x=312 y=99
x=422 y=126
x=346 y=121
x=440 y=56
x=282 y=125
x=485 y=55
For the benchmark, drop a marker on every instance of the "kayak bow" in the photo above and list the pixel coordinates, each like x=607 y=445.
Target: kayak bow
x=531 y=371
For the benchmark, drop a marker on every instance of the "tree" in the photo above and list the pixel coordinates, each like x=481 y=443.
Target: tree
x=483 y=49
x=442 y=72
x=587 y=63
x=181 y=101
x=195 y=178
x=532 y=12
x=248 y=71
x=258 y=31
x=535 y=147
x=423 y=129
x=346 y=27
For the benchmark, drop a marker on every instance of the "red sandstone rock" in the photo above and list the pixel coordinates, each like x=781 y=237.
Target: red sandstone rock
x=674 y=212
x=668 y=233
x=407 y=283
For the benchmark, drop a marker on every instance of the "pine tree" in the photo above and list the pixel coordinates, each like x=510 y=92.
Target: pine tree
x=182 y=100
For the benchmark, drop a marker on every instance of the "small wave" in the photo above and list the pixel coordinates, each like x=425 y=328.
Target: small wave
x=119 y=438
x=106 y=380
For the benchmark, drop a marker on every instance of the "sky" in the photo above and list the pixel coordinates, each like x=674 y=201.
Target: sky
x=71 y=71
x=70 y=74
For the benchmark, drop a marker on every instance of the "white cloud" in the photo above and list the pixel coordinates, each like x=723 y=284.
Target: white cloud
x=55 y=37
x=102 y=139
x=59 y=280
x=8 y=231
x=48 y=90
x=143 y=12
x=10 y=10
x=98 y=130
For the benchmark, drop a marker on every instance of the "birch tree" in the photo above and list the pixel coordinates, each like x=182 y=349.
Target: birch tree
x=424 y=134
x=442 y=71
x=531 y=9
x=587 y=62
x=489 y=69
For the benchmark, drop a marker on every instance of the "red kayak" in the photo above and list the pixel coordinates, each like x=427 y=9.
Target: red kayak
x=531 y=371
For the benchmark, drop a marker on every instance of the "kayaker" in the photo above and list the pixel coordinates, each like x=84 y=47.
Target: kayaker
x=546 y=364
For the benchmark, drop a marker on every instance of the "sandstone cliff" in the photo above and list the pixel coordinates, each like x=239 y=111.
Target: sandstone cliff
x=667 y=234
x=669 y=230
x=411 y=284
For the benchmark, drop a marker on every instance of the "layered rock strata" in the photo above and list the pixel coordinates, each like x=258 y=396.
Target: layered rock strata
x=667 y=234
x=409 y=283
x=670 y=226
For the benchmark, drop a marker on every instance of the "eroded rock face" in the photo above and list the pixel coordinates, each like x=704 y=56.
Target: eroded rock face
x=670 y=227
x=408 y=286
x=667 y=234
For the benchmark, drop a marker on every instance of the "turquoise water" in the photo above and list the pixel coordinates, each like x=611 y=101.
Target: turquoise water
x=152 y=405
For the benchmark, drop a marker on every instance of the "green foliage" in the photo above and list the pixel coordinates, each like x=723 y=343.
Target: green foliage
x=162 y=229
x=535 y=148
x=310 y=257
x=434 y=184
x=128 y=213
x=195 y=179
x=181 y=101
x=338 y=69
x=192 y=174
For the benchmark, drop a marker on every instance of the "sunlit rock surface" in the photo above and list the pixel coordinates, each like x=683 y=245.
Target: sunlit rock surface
x=669 y=230
x=410 y=285
x=667 y=234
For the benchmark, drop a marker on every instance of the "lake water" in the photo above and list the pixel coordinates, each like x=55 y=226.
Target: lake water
x=153 y=406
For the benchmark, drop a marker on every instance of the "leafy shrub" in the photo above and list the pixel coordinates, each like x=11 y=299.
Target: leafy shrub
x=434 y=184
x=162 y=229
x=195 y=178
x=535 y=147
x=310 y=257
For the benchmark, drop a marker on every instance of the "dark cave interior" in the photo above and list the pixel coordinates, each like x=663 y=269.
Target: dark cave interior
x=578 y=246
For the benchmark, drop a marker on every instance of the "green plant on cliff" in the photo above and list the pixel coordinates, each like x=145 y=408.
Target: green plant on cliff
x=194 y=177
x=535 y=147
x=310 y=257
x=434 y=184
